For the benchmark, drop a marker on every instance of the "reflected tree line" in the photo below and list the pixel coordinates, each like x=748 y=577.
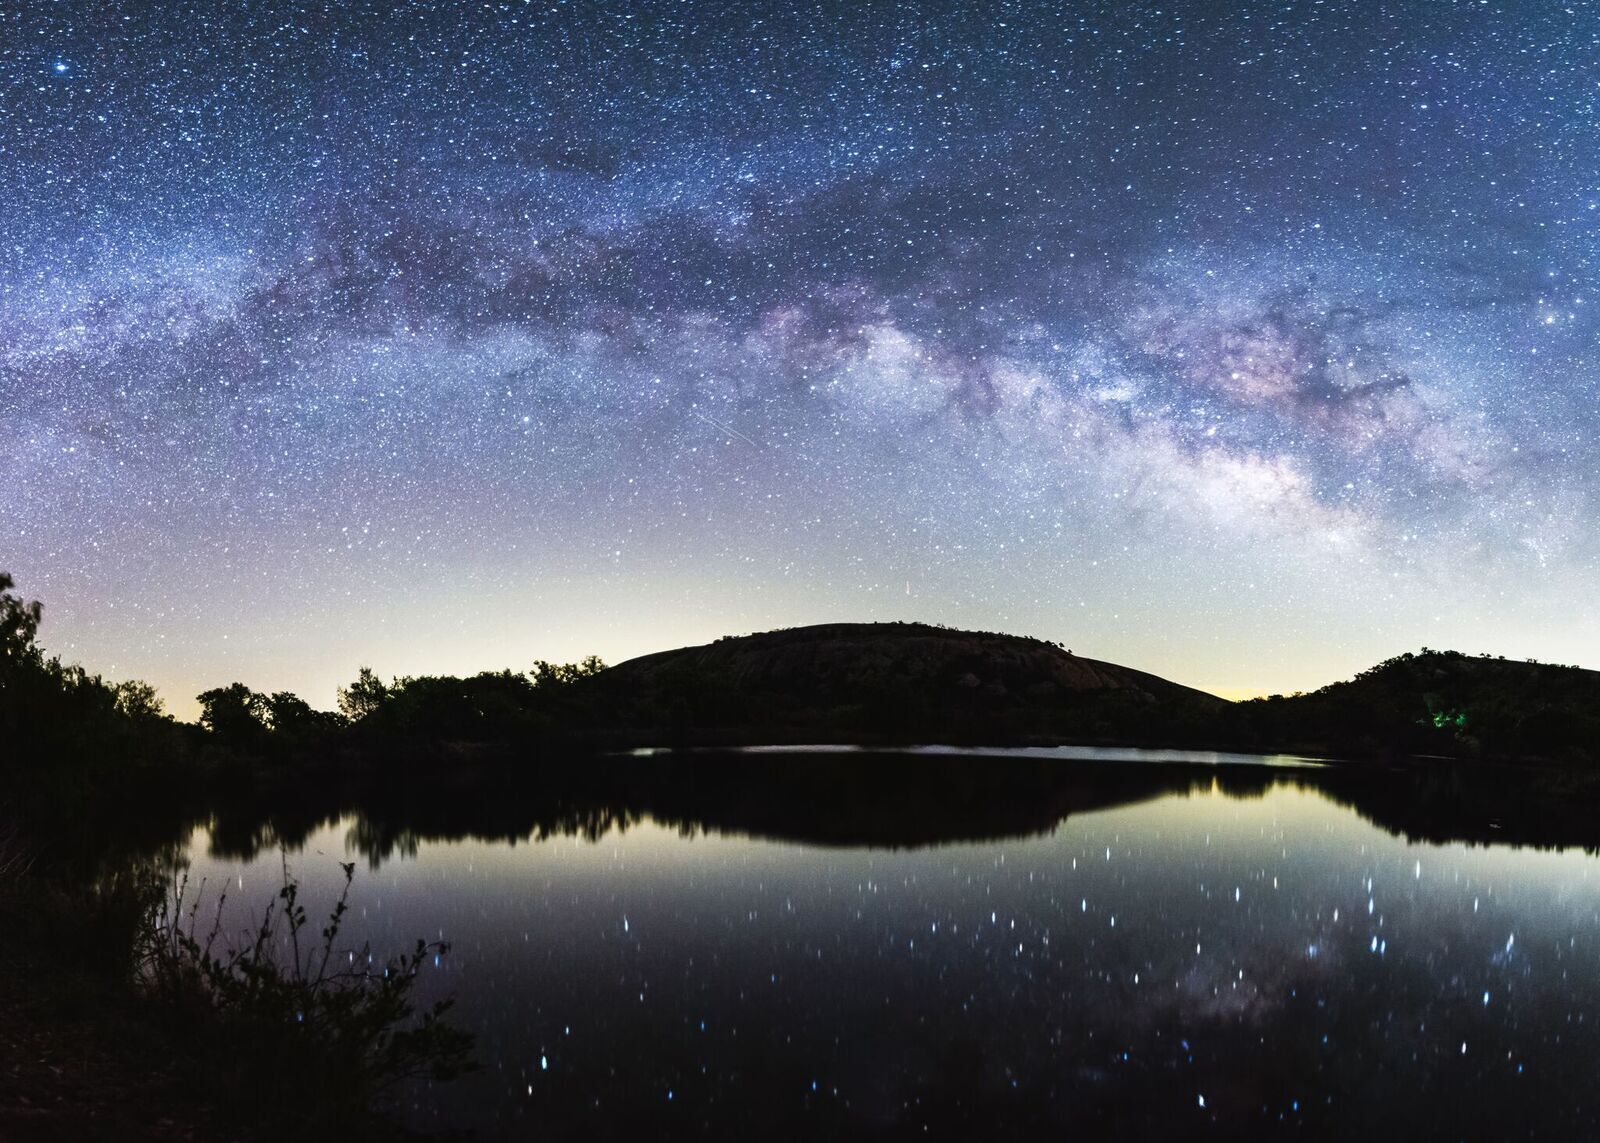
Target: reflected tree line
x=877 y=801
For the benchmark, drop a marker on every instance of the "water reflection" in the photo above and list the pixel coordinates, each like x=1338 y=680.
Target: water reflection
x=1160 y=952
x=880 y=799
x=1049 y=753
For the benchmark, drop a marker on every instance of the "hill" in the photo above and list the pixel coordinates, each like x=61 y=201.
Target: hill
x=840 y=681
x=869 y=682
x=1439 y=702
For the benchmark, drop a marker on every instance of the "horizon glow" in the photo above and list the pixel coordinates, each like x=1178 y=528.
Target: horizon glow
x=1242 y=343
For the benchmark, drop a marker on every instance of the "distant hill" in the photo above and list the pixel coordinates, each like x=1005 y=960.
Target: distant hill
x=843 y=680
x=876 y=682
x=1439 y=702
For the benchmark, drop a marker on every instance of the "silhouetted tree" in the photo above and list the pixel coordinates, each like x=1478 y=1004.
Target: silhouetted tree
x=53 y=714
x=288 y=712
x=234 y=713
x=19 y=624
x=546 y=674
x=138 y=700
x=493 y=705
x=290 y=716
x=363 y=697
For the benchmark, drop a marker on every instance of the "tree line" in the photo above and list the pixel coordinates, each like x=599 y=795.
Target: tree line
x=1427 y=703
x=60 y=713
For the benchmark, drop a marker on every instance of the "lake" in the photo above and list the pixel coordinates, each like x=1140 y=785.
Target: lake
x=1188 y=954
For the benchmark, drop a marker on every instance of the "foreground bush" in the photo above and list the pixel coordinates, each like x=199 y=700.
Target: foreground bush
x=303 y=1032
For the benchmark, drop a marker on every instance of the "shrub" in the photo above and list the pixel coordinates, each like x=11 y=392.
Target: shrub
x=331 y=1028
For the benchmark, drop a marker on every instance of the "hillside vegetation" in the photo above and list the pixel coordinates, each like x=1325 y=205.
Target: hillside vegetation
x=1439 y=702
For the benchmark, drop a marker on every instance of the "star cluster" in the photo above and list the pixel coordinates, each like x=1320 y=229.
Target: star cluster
x=1245 y=342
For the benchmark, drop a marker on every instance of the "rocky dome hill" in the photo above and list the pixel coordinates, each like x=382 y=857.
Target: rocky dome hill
x=834 y=679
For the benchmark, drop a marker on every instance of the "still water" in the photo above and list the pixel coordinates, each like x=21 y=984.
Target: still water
x=1189 y=964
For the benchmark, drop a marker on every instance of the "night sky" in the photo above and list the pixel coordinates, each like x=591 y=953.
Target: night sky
x=1245 y=343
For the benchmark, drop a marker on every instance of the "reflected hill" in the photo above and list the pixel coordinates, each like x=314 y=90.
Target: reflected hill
x=1437 y=802
x=880 y=801
x=859 y=800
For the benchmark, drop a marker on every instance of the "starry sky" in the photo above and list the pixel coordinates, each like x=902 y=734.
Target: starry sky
x=1246 y=343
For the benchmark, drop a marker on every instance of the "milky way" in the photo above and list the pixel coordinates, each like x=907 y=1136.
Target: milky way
x=1245 y=342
